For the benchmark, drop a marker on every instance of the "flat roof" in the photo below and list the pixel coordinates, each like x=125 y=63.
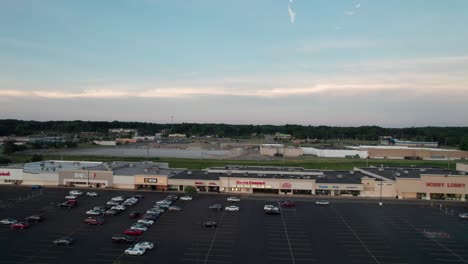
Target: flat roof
x=263 y=168
x=196 y=175
x=348 y=177
x=394 y=173
x=58 y=165
x=140 y=168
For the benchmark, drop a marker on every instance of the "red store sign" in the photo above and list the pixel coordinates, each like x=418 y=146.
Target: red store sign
x=443 y=184
x=250 y=182
x=286 y=185
x=5 y=173
x=199 y=183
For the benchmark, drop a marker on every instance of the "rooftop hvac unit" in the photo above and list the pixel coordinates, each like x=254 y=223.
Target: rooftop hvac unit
x=381 y=169
x=145 y=170
x=339 y=176
x=351 y=172
x=131 y=165
x=405 y=171
x=397 y=174
x=422 y=170
x=189 y=172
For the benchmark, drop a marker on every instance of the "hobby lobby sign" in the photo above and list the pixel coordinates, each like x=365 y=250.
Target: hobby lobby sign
x=443 y=184
x=5 y=173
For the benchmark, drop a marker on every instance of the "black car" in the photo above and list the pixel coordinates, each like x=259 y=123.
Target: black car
x=111 y=212
x=138 y=196
x=272 y=212
x=216 y=207
x=123 y=239
x=34 y=218
x=210 y=224
x=64 y=241
x=66 y=205
x=134 y=215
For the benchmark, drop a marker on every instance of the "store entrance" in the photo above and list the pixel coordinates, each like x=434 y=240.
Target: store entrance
x=255 y=190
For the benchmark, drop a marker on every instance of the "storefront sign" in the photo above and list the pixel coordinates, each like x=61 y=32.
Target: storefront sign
x=3 y=173
x=250 y=182
x=150 y=180
x=213 y=183
x=286 y=185
x=79 y=175
x=328 y=187
x=442 y=184
x=199 y=183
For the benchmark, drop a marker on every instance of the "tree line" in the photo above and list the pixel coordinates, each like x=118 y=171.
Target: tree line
x=451 y=136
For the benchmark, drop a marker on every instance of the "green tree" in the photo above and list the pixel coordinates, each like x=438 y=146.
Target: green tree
x=9 y=147
x=464 y=144
x=190 y=190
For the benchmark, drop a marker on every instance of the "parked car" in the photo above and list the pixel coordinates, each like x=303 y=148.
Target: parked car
x=165 y=206
x=186 y=198
x=76 y=192
x=287 y=204
x=210 y=224
x=71 y=197
x=463 y=215
x=153 y=217
x=72 y=201
x=216 y=207
x=20 y=225
x=163 y=202
x=8 y=221
x=64 y=241
x=145 y=245
x=123 y=239
x=94 y=221
x=112 y=203
x=34 y=219
x=134 y=215
x=138 y=251
x=118 y=199
x=146 y=222
x=36 y=187
x=94 y=212
x=273 y=212
x=322 y=202
x=92 y=194
x=102 y=208
x=172 y=197
x=174 y=208
x=139 y=226
x=233 y=199
x=133 y=232
x=232 y=208
x=66 y=204
x=268 y=207
x=158 y=210
x=111 y=212
x=119 y=207
x=138 y=196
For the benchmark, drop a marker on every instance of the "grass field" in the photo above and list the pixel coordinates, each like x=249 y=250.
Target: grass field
x=308 y=163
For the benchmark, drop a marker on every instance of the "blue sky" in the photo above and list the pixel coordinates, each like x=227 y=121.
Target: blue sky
x=388 y=63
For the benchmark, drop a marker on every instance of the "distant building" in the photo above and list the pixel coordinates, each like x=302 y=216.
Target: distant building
x=121 y=131
x=126 y=140
x=280 y=136
x=279 y=150
x=388 y=140
x=105 y=142
x=177 y=135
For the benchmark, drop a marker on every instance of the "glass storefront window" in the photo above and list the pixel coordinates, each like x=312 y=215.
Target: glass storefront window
x=452 y=196
x=437 y=196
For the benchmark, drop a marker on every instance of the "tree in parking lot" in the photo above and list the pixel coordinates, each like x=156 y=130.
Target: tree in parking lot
x=190 y=190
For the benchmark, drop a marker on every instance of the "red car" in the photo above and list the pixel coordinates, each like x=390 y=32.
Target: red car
x=133 y=232
x=287 y=204
x=20 y=225
x=94 y=221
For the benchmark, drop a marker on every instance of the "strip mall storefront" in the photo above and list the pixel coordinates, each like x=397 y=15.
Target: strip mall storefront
x=434 y=187
x=201 y=185
x=151 y=182
x=262 y=185
x=338 y=189
x=86 y=178
x=11 y=176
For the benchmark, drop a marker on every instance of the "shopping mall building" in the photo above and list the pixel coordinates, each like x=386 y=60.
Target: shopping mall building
x=394 y=182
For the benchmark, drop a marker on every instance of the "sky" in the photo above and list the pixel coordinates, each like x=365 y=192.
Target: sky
x=392 y=63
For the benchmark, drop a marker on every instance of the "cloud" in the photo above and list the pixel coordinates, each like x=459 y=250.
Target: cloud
x=292 y=15
x=358 y=5
x=349 y=13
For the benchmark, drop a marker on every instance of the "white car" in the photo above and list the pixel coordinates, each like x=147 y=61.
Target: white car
x=269 y=207
x=112 y=203
x=71 y=197
x=94 y=212
x=119 y=207
x=76 y=192
x=118 y=199
x=153 y=211
x=145 y=245
x=139 y=227
x=146 y=221
x=463 y=215
x=162 y=202
x=92 y=194
x=186 y=198
x=158 y=210
x=322 y=202
x=233 y=199
x=135 y=251
x=232 y=208
x=8 y=221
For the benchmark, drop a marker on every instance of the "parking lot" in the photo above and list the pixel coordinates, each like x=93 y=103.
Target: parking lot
x=343 y=232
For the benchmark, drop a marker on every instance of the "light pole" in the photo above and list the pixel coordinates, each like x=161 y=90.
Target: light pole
x=87 y=183
x=381 y=183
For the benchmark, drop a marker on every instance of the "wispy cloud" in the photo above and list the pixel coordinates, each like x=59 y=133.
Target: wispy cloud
x=292 y=15
x=349 y=13
x=358 y=5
